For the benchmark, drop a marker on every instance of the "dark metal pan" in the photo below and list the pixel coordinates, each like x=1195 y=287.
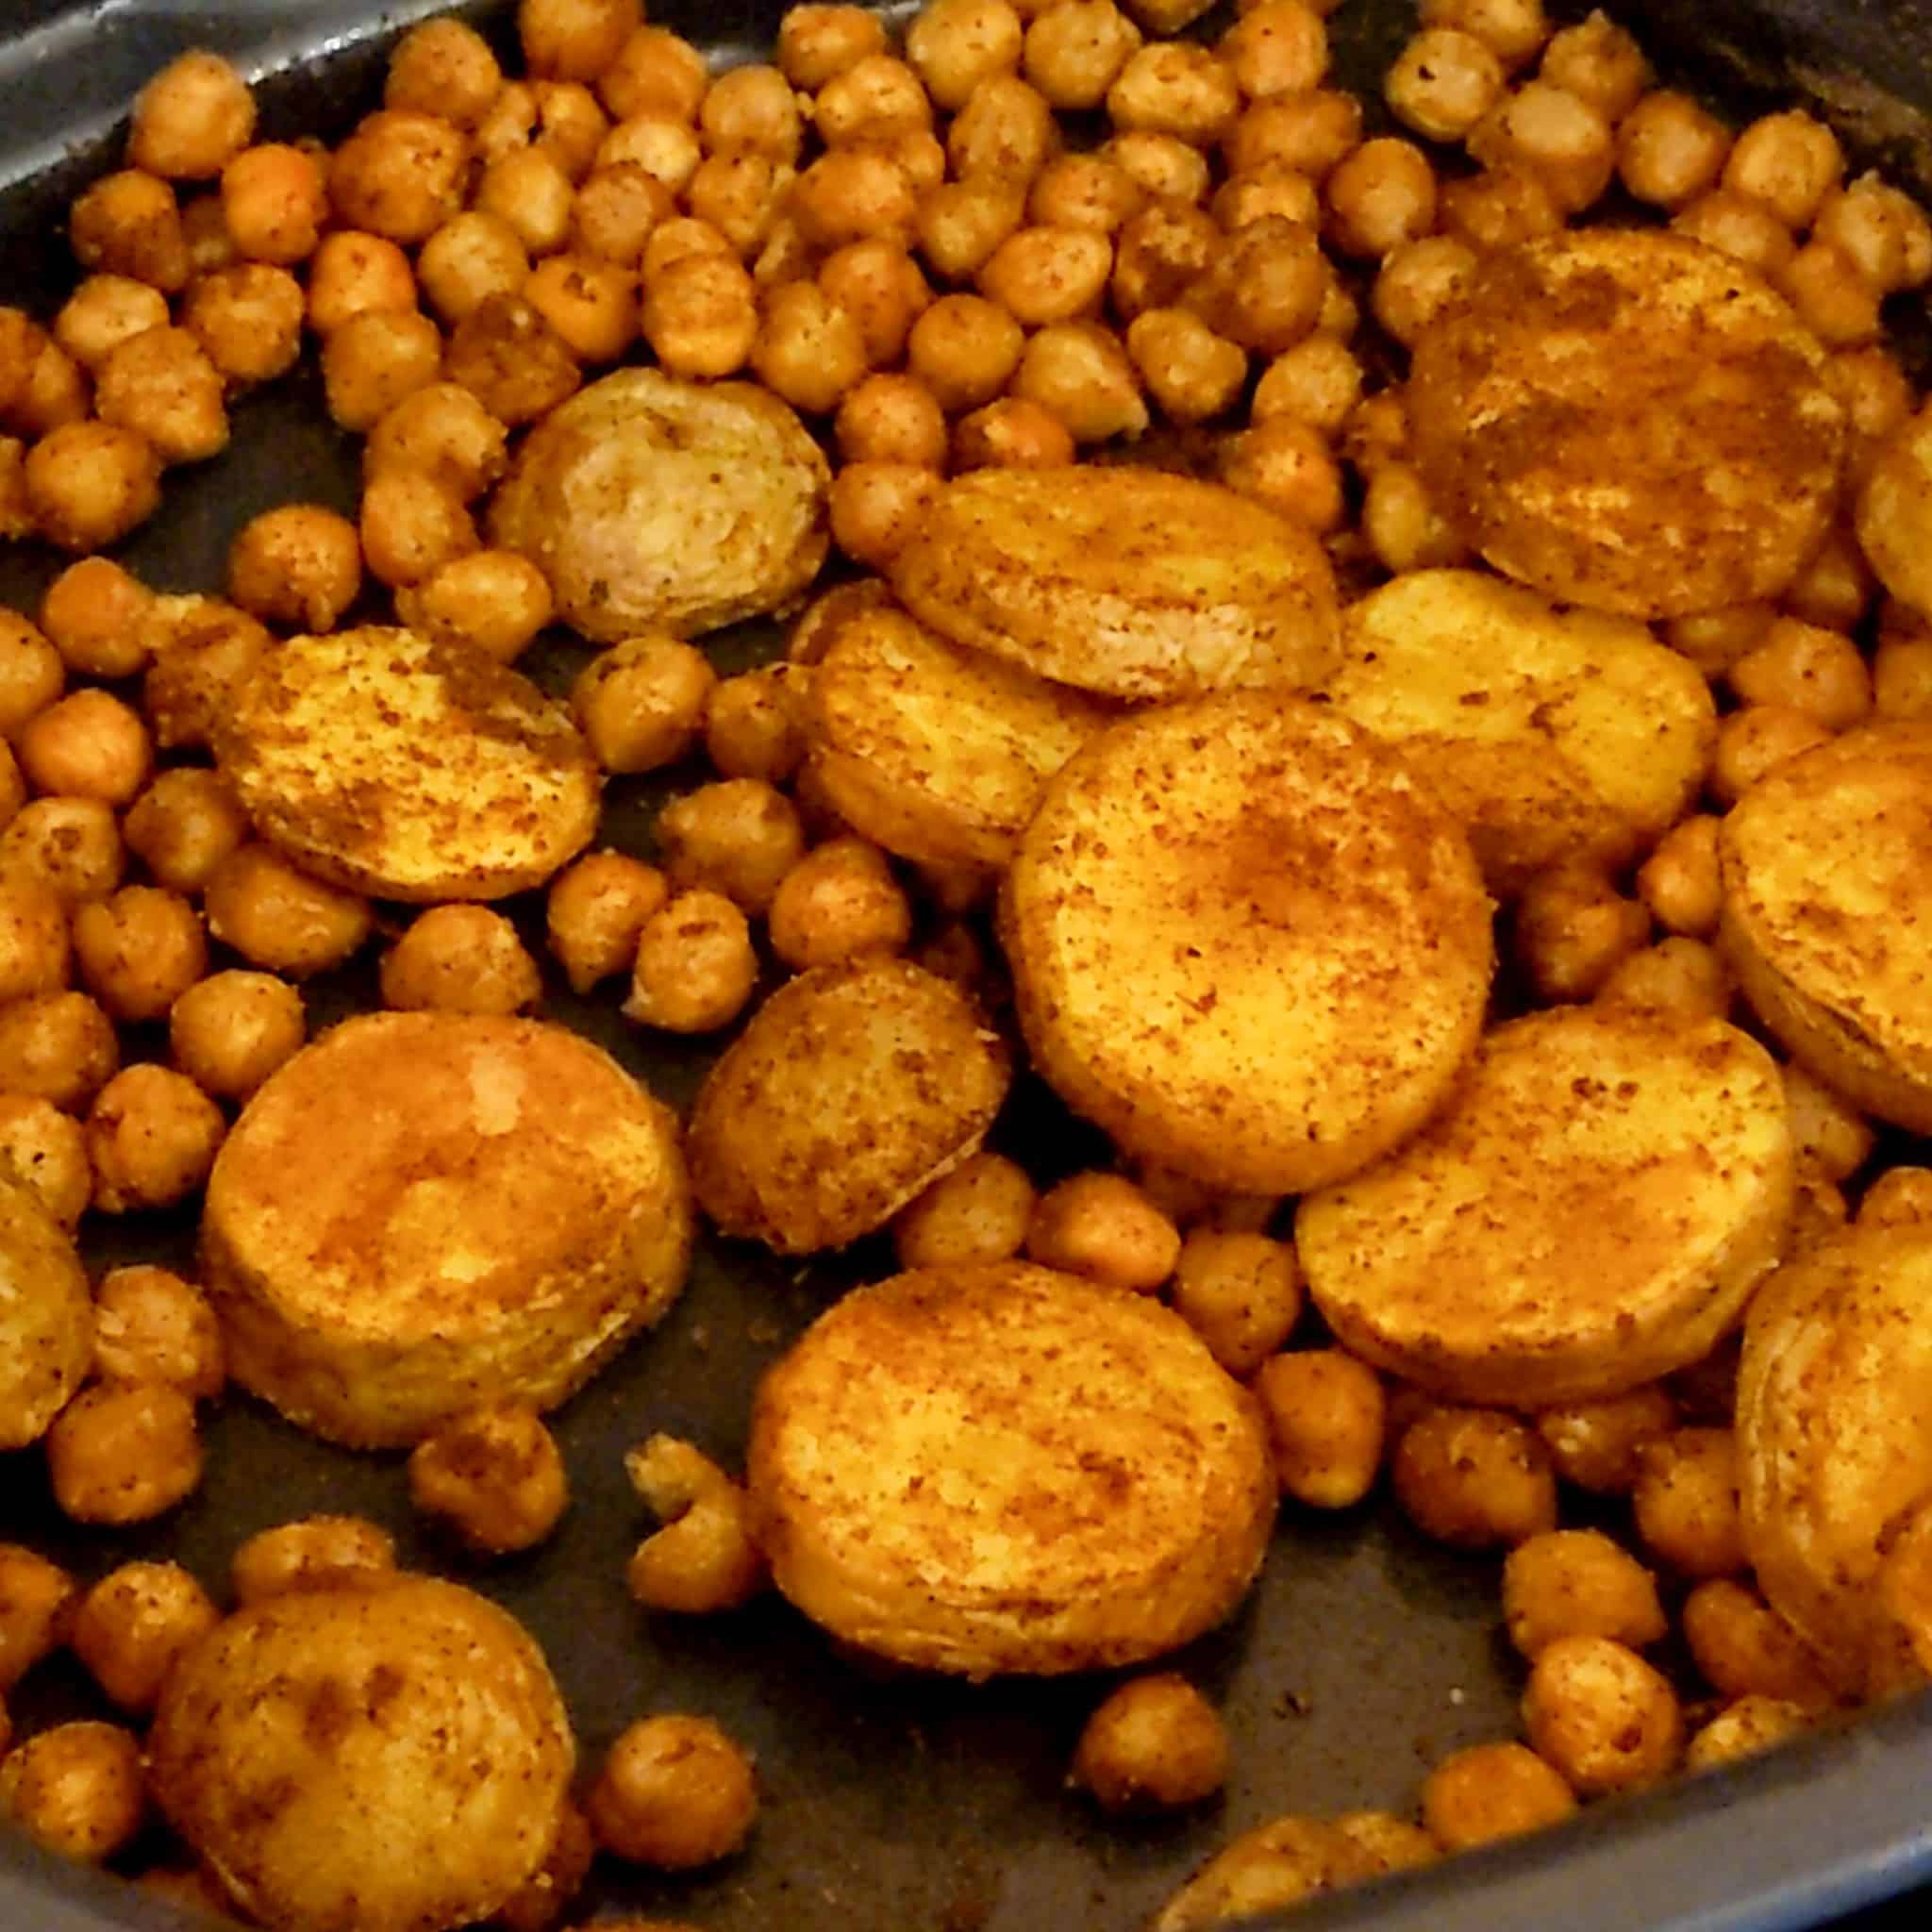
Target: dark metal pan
x=1365 y=1653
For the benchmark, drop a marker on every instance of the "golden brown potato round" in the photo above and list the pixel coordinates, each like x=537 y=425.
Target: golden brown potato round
x=1097 y=1531
x=1601 y=406
x=47 y=1318
x=351 y=1236
x=1590 y=1210
x=395 y=1754
x=853 y=1089
x=649 y=502
x=1196 y=972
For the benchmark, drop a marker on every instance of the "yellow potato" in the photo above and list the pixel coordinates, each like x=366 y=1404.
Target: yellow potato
x=1894 y=514
x=424 y=1212
x=654 y=504
x=1827 y=913
x=1288 y=1859
x=382 y=761
x=1130 y=582
x=1549 y=735
x=392 y=1756
x=47 y=1318
x=996 y=1468
x=852 y=1089
x=934 y=751
x=1629 y=420
x=1590 y=1211
x=1246 y=942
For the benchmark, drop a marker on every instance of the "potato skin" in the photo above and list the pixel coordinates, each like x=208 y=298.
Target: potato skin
x=654 y=504
x=392 y=1756
x=46 y=1319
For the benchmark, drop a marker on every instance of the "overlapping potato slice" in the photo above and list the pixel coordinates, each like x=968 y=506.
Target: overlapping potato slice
x=1629 y=420
x=380 y=760
x=1827 y=913
x=1247 y=942
x=1590 y=1211
x=47 y=1318
x=852 y=1088
x=1894 y=514
x=1549 y=734
x=1131 y=582
x=934 y=751
x=421 y=1212
x=1288 y=1859
x=1834 y=1424
x=997 y=1468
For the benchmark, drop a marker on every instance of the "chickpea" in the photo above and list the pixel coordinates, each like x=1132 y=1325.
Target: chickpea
x=1755 y=740
x=459 y=959
x=879 y=286
x=55 y=392
x=818 y=43
x=1080 y=374
x=1547 y=132
x=88 y=484
x=1686 y=1502
x=875 y=507
x=247 y=319
x=1381 y=195
x=961 y=223
x=1835 y=590
x=1492 y=1792
x=1499 y=208
x=16 y=513
x=1744 y=1648
x=1715 y=639
x=71 y=845
x=807 y=349
x=229 y=1032
x=300 y=564
x=280 y=918
x=1678 y=883
x=151 y=1327
x=596 y=910
x=1006 y=134
x=532 y=196
x=655 y=73
x=964 y=349
x=615 y=211
x=152 y=1136
x=840 y=901
x=571 y=127
x=46 y=1150
x=878 y=98
x=700 y=316
x=274 y=199
x=1513 y=30
x=1311 y=133
x=1742 y=1729
x=1242 y=1293
x=1153 y=1743
x=1287 y=465
x=1103 y=1226
x=76 y=1789
x=752 y=109
x=1475 y=1478
x=1605 y=1719
x=695 y=968
x=1267 y=191
x=411 y=527
x=1898 y=1197
x=739 y=837
x=204 y=234
x=375 y=361
x=203 y=650
x=540 y=1901
x=1075 y=51
x=1162 y=166
x=1443 y=83
x=1176 y=88
x=509 y=358
x=133 y=1625
x=192 y=119
x=752 y=725
x=1189 y=371
x=1327 y=1415
x=1670 y=150
x=641 y=703
x=1317 y=382
x=32 y=672
x=1277 y=47
x=1578 y=1582
x=680 y=240
x=442 y=67
x=1677 y=976
x=741 y=193
x=13 y=787
x=890 y=419
x=1881 y=229
x=1809 y=669
x=1834 y=297
x=704 y=1558
x=138 y=950
x=954 y=44
x=88 y=745
x=1737 y=226
x=311 y=1553
x=574 y=40
x=103 y=312
x=1789 y=162
x=493 y=1477
x=1085 y=191
x=444 y=433
x=1572 y=929
x=493 y=601
x=400 y=175
x=978 y=1212
x=1011 y=433
x=33 y=938
x=471 y=258
x=675 y=1793
x=1902 y=677
x=355 y=273
x=123 y=1452
x=183 y=825
x=129 y=223
x=37 y=1604
x=1041 y=274
x=57 y=1046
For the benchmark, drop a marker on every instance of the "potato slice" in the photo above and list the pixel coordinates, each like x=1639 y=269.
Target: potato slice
x=47 y=1318
x=1629 y=420
x=1549 y=734
x=1834 y=1425
x=1287 y=1861
x=393 y=1755
x=1894 y=514
x=1131 y=582
x=654 y=504
x=380 y=760
x=1246 y=942
x=937 y=753
x=1827 y=913
x=997 y=1468
x=421 y=1212
x=852 y=1089
x=1589 y=1212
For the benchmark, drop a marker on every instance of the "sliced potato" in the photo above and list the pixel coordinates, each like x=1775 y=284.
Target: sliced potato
x=1827 y=913
x=1590 y=1211
x=937 y=753
x=1246 y=942
x=996 y=1467
x=1549 y=734
x=1834 y=1425
x=853 y=1089
x=1894 y=514
x=47 y=1318
x=423 y=1213
x=392 y=1756
x=1288 y=1859
x=654 y=504
x=380 y=760
x=1629 y=420
x=1127 y=581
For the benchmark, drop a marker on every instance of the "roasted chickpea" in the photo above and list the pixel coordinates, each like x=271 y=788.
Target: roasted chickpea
x=354 y=273
x=1902 y=677
x=1789 y=162
x=1548 y=132
x=1443 y=83
x=964 y=350
x=1836 y=588
x=1155 y=1743
x=202 y=650
x=1492 y=1792
x=807 y=349
x=1834 y=297
x=45 y=1151
x=1572 y=929
x=129 y=223
x=192 y=119
x=229 y=1032
x=954 y=44
x=442 y=67
x=818 y=43
x=615 y=211
x=960 y=224
x=152 y=1136
x=1267 y=191
x=1755 y=740
x=204 y=232
x=1327 y=1415
x=1011 y=433
x=33 y=938
x=123 y=1452
x=1686 y=1502
x=1898 y=1197
x=1742 y=1729
x=509 y=358
x=1103 y=1226
x=88 y=745
x=1176 y=88
x=133 y=1625
x=1277 y=47
x=280 y=918
x=274 y=199
x=1744 y=1648
x=1241 y=1293
x=1578 y=1582
x=739 y=837
x=37 y=1603
x=694 y=967
x=32 y=672
x=400 y=175
x=411 y=526
x=704 y=1558
x=838 y=903
x=752 y=109
x=1189 y=371
x=1417 y=281
x=641 y=702
x=493 y=1477
x=183 y=825
x=574 y=40
x=654 y=72
x=1006 y=134
x=739 y=193
x=138 y=950
x=311 y=1553
x=470 y=258
x=1881 y=229
x=675 y=1793
x=532 y=196
x=57 y=1046
x=1043 y=275
x=153 y=1326
x=444 y=433
x=1499 y=208
x=1737 y=226
x=700 y=315
x=459 y=959
x=16 y=513
x=1670 y=150
x=891 y=419
x=1476 y=1478
x=1381 y=195
x=76 y=1788
x=1287 y=465
x=595 y=912
x=1806 y=668
x=1513 y=30
x=1080 y=374
x=1317 y=382
x=376 y=359
x=493 y=601
x=247 y=319
x=752 y=725
x=978 y=1212
x=879 y=286
x=298 y=564
x=103 y=312
x=1309 y=133
x=540 y=1903
x=70 y=845
x=88 y=484
x=1601 y=1717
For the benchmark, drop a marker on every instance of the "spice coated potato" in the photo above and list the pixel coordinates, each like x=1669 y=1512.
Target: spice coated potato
x=937 y=753
x=1122 y=580
x=1549 y=735
x=996 y=1468
x=654 y=504
x=1827 y=913
x=392 y=1756
x=1246 y=942
x=1590 y=1210
x=380 y=760
x=47 y=1318
x=851 y=1091
x=423 y=1213
x=1630 y=420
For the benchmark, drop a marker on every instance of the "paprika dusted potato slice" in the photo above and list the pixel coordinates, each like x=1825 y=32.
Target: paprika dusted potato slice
x=47 y=1318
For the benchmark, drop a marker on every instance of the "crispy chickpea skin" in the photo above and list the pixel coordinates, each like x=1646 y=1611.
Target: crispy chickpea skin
x=1153 y=1744
x=153 y=1326
x=400 y=175
x=1328 y=1417
x=280 y=918
x=123 y=1452
x=46 y=1152
x=459 y=959
x=1475 y=1478
x=596 y=910
x=694 y=967
x=411 y=526
x=673 y=1791
x=183 y=825
x=161 y=384
x=192 y=119
x=103 y=312
x=491 y=1476
x=752 y=725
x=1490 y=1791
x=705 y=1558
x=444 y=432
x=299 y=563
x=1578 y=1583
x=152 y=1136
x=138 y=950
x=442 y=67
x=247 y=319
x=473 y=257
x=231 y=1031
x=134 y=1624
x=37 y=1604
x=1103 y=1226
x=1605 y=1719
x=642 y=703
x=311 y=1552
x=76 y=1788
